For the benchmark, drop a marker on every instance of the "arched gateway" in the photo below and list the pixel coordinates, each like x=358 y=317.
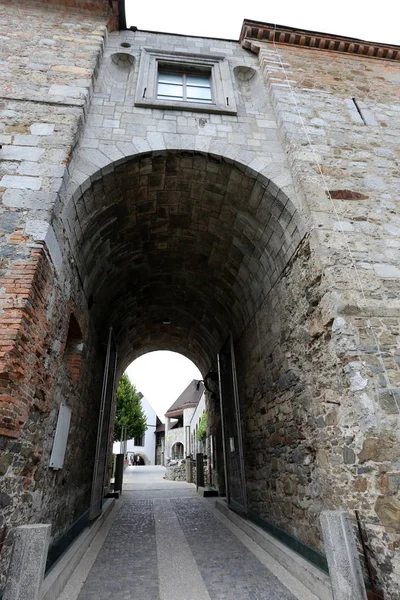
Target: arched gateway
x=236 y=203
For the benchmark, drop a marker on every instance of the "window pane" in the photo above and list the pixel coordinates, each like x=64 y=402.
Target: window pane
x=198 y=93
x=198 y=80
x=165 y=89
x=170 y=78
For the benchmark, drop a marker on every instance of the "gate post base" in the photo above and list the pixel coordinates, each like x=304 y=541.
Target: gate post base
x=28 y=562
x=341 y=553
x=119 y=472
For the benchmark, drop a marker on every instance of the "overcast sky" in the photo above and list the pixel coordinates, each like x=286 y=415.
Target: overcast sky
x=368 y=20
x=162 y=376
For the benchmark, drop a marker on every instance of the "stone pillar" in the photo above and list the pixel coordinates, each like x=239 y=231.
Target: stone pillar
x=342 y=556
x=28 y=562
x=189 y=470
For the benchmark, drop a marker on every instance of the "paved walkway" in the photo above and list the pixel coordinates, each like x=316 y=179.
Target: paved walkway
x=165 y=543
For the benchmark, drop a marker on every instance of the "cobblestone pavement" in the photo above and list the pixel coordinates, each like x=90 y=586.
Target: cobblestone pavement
x=126 y=567
x=171 y=547
x=229 y=570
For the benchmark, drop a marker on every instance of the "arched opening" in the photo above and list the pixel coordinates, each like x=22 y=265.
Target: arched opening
x=177 y=250
x=138 y=459
x=177 y=451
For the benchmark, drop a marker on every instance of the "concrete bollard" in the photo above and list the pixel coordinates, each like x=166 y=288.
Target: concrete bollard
x=342 y=556
x=28 y=562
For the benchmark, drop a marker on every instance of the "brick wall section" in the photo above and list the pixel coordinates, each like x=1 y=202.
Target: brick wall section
x=36 y=377
x=27 y=378
x=74 y=366
x=19 y=297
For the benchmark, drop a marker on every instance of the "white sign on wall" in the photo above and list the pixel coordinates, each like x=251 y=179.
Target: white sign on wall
x=60 y=438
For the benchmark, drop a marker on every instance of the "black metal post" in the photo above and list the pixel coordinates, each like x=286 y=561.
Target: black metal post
x=119 y=472
x=199 y=470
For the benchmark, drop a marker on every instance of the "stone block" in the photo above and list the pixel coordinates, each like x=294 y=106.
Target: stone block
x=26 y=140
x=28 y=561
x=387 y=271
x=21 y=183
x=28 y=199
x=21 y=153
x=42 y=128
x=388 y=510
x=341 y=553
x=378 y=450
x=68 y=91
x=349 y=457
x=389 y=399
x=37 y=229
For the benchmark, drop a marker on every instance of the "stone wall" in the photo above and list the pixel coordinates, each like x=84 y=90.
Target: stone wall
x=176 y=472
x=117 y=129
x=321 y=399
x=279 y=223
x=172 y=437
x=49 y=64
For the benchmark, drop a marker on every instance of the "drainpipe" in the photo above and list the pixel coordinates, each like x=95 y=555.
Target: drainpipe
x=121 y=15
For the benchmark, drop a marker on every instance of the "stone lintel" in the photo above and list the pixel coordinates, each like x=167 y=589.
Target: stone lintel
x=254 y=32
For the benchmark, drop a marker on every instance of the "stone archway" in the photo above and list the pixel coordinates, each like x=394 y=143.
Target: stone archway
x=173 y=250
x=173 y=242
x=143 y=459
x=177 y=451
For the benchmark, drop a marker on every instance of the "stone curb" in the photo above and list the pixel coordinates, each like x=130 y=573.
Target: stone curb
x=309 y=575
x=57 y=578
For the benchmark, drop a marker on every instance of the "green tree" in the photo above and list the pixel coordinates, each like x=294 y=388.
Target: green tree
x=129 y=411
x=202 y=430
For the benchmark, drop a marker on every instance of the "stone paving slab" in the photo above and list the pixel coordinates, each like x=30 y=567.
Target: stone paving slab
x=175 y=549
x=229 y=570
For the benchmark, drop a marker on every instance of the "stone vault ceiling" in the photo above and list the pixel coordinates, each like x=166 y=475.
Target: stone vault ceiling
x=179 y=237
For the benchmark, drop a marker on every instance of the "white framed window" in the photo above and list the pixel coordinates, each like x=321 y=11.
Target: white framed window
x=184 y=87
x=195 y=82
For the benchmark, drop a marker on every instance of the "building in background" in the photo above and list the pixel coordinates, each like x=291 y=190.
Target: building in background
x=142 y=450
x=178 y=421
x=197 y=445
x=160 y=443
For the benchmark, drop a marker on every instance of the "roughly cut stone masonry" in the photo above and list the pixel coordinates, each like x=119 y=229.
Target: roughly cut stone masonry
x=350 y=452
x=176 y=472
x=44 y=52
x=161 y=213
